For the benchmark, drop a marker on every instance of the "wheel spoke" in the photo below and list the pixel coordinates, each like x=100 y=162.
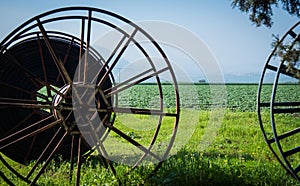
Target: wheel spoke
x=289 y=71
x=114 y=53
x=78 y=161
x=48 y=159
x=19 y=124
x=131 y=110
x=18 y=136
x=27 y=128
x=104 y=98
x=135 y=82
x=38 y=161
x=106 y=156
x=143 y=111
x=92 y=128
x=81 y=50
x=42 y=58
x=18 y=89
x=286 y=110
x=88 y=38
x=127 y=81
x=66 y=57
x=60 y=66
x=5 y=179
x=72 y=158
x=64 y=119
x=297 y=169
x=98 y=142
x=32 y=104
x=280 y=104
x=23 y=103
x=35 y=79
x=15 y=172
x=292 y=33
x=101 y=149
x=118 y=56
x=282 y=107
x=291 y=151
x=151 y=143
x=31 y=146
x=44 y=97
x=271 y=67
x=133 y=142
x=285 y=135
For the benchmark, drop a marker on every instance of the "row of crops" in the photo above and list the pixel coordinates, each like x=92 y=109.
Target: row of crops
x=238 y=97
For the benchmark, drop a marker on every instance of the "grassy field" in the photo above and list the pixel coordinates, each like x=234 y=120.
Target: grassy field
x=238 y=155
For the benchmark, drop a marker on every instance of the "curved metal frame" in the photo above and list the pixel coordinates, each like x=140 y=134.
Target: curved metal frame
x=274 y=106
x=37 y=27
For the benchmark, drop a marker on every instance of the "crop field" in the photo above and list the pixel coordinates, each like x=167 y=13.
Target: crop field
x=237 y=155
x=240 y=97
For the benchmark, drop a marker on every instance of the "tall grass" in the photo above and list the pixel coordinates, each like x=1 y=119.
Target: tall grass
x=238 y=156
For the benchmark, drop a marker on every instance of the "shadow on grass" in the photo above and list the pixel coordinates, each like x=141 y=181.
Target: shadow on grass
x=194 y=168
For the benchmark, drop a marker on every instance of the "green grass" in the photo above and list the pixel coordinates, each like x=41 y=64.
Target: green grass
x=238 y=156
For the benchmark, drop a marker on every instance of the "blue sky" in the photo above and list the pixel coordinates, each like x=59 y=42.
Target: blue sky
x=237 y=44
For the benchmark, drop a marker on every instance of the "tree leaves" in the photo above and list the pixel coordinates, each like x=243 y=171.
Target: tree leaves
x=289 y=53
x=261 y=12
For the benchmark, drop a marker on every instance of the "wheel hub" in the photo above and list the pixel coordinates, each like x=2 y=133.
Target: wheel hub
x=61 y=102
x=64 y=107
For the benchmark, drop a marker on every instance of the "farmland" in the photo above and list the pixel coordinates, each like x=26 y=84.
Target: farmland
x=239 y=97
x=237 y=156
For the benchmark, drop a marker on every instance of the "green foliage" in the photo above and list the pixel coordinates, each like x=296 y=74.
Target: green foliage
x=240 y=97
x=288 y=52
x=261 y=12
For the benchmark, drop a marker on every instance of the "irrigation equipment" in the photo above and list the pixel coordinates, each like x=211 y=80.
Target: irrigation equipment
x=64 y=77
x=282 y=67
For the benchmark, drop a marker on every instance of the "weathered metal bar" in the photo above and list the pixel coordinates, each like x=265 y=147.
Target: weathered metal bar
x=137 y=81
x=111 y=66
x=6 y=144
x=107 y=91
x=280 y=104
x=48 y=159
x=285 y=135
x=72 y=158
x=66 y=57
x=133 y=142
x=38 y=161
x=79 y=156
x=88 y=40
x=61 y=68
x=291 y=151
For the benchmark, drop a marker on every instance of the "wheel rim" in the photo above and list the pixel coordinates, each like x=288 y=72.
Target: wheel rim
x=60 y=96
x=281 y=139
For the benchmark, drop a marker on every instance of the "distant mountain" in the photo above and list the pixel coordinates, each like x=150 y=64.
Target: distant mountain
x=255 y=78
x=242 y=78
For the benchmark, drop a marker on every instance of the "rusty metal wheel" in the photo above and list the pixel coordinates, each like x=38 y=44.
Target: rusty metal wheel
x=281 y=99
x=67 y=78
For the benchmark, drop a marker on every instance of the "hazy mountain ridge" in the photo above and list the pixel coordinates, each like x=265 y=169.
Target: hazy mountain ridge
x=255 y=78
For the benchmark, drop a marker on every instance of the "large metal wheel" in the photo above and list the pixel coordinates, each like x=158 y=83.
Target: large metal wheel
x=65 y=77
x=278 y=94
